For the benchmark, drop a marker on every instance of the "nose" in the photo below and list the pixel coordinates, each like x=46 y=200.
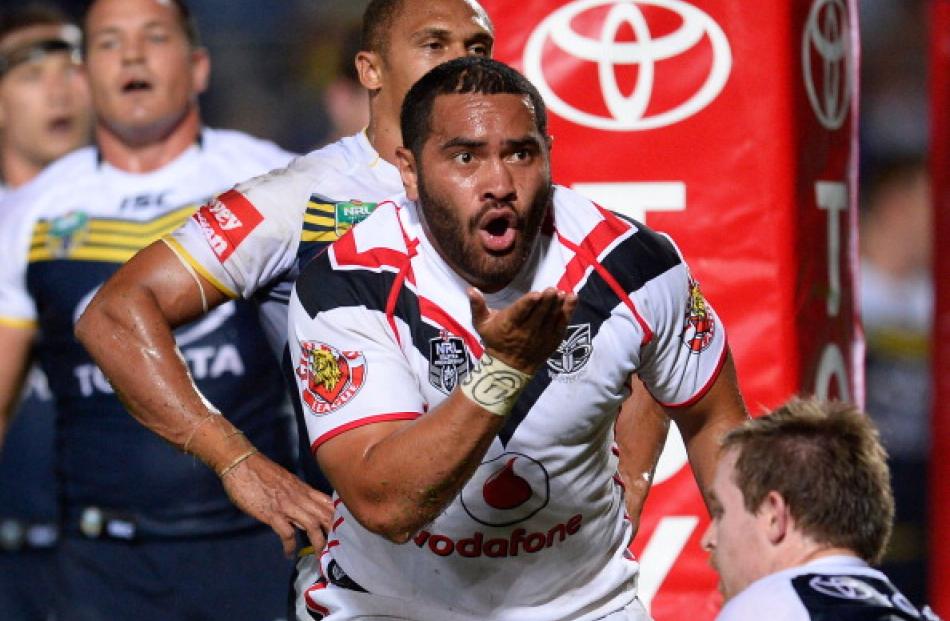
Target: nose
x=497 y=182
x=708 y=541
x=132 y=50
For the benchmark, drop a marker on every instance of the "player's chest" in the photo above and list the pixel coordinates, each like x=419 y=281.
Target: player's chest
x=578 y=388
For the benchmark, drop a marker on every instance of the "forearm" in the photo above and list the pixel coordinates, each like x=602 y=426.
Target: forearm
x=129 y=337
x=704 y=424
x=395 y=496
x=640 y=433
x=15 y=346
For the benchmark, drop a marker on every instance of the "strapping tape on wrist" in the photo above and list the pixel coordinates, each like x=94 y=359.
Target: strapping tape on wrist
x=494 y=385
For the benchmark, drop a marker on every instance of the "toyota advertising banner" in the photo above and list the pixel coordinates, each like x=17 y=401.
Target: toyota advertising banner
x=734 y=130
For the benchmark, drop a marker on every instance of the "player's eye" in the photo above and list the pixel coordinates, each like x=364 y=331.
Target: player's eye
x=464 y=157
x=106 y=43
x=478 y=49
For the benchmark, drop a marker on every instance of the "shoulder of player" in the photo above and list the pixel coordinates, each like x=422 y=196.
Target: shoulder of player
x=364 y=262
x=236 y=145
x=57 y=181
x=303 y=176
x=628 y=249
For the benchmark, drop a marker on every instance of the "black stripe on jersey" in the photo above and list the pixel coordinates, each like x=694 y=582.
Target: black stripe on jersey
x=838 y=597
x=634 y=262
x=362 y=288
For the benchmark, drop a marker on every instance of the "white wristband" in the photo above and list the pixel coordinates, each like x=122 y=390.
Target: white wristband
x=494 y=385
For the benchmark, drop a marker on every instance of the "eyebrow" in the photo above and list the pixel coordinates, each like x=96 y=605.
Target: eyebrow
x=116 y=29
x=470 y=143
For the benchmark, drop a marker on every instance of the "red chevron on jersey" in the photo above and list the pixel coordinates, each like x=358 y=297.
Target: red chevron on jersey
x=607 y=232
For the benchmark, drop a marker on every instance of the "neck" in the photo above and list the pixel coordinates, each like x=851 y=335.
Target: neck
x=144 y=151
x=383 y=132
x=807 y=552
x=16 y=169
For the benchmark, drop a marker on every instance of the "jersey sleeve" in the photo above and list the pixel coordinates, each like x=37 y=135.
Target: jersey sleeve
x=687 y=347
x=349 y=370
x=247 y=237
x=17 y=308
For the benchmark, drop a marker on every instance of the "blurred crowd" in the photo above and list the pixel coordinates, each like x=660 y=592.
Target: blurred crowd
x=896 y=283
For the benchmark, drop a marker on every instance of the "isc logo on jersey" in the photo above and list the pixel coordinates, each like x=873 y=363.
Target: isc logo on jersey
x=226 y=221
x=329 y=377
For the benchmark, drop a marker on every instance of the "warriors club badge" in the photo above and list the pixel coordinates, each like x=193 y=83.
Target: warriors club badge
x=573 y=353
x=700 y=326
x=328 y=378
x=448 y=362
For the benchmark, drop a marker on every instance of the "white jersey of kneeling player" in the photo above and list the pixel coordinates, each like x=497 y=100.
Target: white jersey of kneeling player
x=380 y=329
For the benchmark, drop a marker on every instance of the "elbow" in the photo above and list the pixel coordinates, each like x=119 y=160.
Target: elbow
x=386 y=522
x=86 y=326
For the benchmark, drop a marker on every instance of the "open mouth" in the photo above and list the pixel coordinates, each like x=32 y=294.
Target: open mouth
x=60 y=125
x=136 y=85
x=498 y=230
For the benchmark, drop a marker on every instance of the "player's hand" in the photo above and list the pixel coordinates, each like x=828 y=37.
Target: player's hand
x=266 y=491
x=527 y=332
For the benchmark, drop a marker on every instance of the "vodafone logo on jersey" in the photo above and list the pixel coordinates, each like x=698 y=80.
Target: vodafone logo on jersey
x=506 y=490
x=226 y=221
x=645 y=63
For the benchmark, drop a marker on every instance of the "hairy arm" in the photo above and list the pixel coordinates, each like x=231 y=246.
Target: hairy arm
x=703 y=423
x=397 y=477
x=127 y=329
x=640 y=434
x=15 y=343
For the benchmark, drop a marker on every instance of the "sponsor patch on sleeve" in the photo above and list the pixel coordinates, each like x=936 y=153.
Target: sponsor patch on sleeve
x=327 y=377
x=226 y=221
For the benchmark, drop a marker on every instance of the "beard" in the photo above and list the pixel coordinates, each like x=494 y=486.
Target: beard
x=458 y=241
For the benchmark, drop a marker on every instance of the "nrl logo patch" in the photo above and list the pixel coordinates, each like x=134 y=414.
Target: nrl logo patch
x=328 y=377
x=66 y=233
x=448 y=362
x=349 y=213
x=700 y=326
x=574 y=351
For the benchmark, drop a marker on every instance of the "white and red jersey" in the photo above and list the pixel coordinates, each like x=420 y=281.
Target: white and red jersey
x=287 y=217
x=833 y=587
x=380 y=329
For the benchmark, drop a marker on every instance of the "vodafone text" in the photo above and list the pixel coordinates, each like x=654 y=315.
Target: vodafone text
x=519 y=541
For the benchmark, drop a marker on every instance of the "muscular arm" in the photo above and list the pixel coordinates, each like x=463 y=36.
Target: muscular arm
x=127 y=329
x=397 y=477
x=703 y=423
x=640 y=434
x=15 y=343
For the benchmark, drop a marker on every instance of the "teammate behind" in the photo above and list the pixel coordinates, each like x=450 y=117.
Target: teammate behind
x=474 y=470
x=44 y=114
x=802 y=503
x=148 y=534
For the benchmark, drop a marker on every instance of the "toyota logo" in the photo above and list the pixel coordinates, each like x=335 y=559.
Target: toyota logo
x=639 y=110
x=829 y=86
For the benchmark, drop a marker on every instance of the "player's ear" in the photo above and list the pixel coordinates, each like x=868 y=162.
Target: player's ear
x=776 y=517
x=406 y=162
x=368 y=68
x=200 y=70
